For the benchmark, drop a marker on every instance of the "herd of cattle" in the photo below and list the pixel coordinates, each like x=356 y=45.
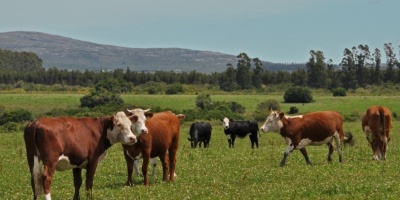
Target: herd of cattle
x=63 y=143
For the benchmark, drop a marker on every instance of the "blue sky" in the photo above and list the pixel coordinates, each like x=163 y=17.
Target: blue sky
x=272 y=30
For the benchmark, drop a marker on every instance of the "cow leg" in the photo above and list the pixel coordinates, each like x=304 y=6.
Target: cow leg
x=77 y=173
x=337 y=138
x=172 y=161
x=230 y=143
x=145 y=168
x=154 y=164
x=47 y=176
x=305 y=154
x=164 y=163
x=90 y=170
x=233 y=141
x=254 y=140
x=289 y=149
x=331 y=148
x=130 y=164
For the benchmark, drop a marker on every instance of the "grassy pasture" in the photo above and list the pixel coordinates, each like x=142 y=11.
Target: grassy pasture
x=220 y=172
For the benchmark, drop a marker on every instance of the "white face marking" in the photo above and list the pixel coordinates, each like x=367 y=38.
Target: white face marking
x=139 y=121
x=225 y=123
x=272 y=123
x=122 y=130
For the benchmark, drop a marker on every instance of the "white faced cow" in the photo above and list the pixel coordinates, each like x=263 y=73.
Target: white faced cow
x=376 y=124
x=310 y=129
x=63 y=143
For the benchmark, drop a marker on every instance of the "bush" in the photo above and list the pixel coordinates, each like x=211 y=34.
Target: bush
x=17 y=116
x=264 y=108
x=293 y=110
x=174 y=89
x=10 y=127
x=298 y=95
x=339 y=92
x=96 y=99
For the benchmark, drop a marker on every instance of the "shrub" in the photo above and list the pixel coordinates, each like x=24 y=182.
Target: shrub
x=204 y=102
x=339 y=92
x=101 y=99
x=293 y=110
x=10 y=127
x=174 y=89
x=17 y=116
x=264 y=108
x=298 y=95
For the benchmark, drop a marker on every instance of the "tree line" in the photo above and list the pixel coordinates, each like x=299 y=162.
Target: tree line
x=359 y=67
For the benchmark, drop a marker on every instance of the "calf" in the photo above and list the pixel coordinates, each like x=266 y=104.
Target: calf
x=200 y=132
x=63 y=143
x=162 y=141
x=376 y=124
x=241 y=129
x=310 y=129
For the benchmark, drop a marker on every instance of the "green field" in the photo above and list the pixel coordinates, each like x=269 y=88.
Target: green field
x=220 y=172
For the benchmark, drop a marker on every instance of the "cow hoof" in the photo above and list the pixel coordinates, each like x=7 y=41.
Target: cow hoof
x=129 y=183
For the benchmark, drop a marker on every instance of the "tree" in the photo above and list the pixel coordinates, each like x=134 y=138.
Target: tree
x=376 y=72
x=257 y=72
x=363 y=63
x=349 y=69
x=390 y=62
x=243 y=73
x=228 y=80
x=316 y=70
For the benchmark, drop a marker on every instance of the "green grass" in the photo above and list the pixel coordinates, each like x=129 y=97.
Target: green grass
x=220 y=172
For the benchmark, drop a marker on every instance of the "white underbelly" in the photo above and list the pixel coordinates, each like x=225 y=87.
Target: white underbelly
x=65 y=164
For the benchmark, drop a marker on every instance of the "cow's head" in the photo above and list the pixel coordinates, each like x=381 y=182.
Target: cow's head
x=138 y=118
x=121 y=131
x=273 y=122
x=225 y=123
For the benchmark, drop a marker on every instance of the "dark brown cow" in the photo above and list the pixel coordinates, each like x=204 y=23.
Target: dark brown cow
x=376 y=124
x=310 y=129
x=63 y=143
x=162 y=141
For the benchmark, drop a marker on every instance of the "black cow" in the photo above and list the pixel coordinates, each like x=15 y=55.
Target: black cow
x=200 y=132
x=241 y=129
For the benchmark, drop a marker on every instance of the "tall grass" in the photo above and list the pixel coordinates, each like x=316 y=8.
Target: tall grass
x=223 y=173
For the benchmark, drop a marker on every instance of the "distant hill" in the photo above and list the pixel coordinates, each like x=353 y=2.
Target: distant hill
x=66 y=53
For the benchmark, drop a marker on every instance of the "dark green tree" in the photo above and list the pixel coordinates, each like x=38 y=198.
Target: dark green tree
x=257 y=72
x=243 y=73
x=316 y=70
x=349 y=69
x=228 y=79
x=390 y=63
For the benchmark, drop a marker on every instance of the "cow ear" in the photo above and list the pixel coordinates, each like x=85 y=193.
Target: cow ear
x=230 y=120
x=281 y=115
x=133 y=118
x=148 y=115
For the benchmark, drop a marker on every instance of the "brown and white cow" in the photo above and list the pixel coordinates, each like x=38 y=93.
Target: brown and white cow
x=309 y=129
x=162 y=141
x=63 y=143
x=376 y=124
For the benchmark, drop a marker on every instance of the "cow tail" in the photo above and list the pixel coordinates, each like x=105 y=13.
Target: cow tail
x=33 y=157
x=383 y=125
x=348 y=138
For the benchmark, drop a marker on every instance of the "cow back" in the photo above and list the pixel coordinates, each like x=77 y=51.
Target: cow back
x=316 y=126
x=242 y=128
